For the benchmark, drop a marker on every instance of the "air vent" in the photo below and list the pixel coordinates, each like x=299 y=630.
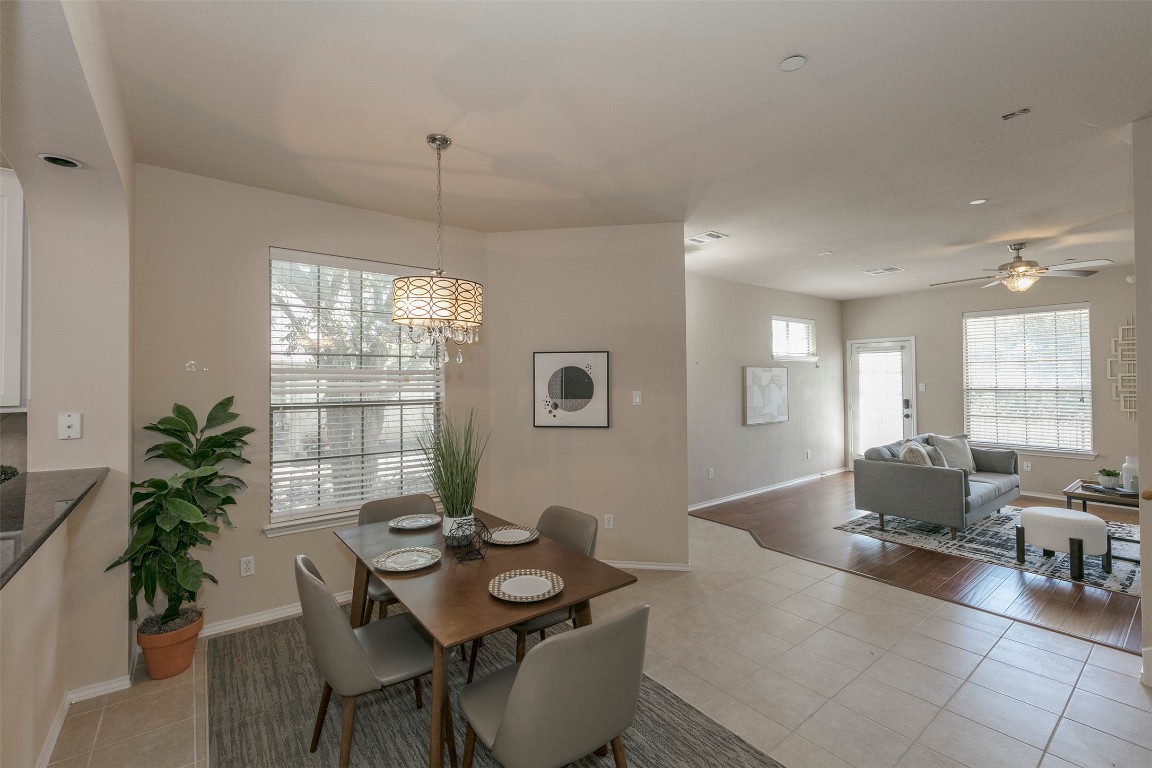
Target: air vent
x=706 y=237
x=876 y=271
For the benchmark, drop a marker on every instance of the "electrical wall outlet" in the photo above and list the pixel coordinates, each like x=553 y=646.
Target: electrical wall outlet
x=809 y=454
x=1026 y=466
x=711 y=473
x=609 y=521
x=635 y=397
x=247 y=566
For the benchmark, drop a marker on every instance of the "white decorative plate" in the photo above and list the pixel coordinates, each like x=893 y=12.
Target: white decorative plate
x=526 y=585
x=512 y=534
x=407 y=559
x=414 y=522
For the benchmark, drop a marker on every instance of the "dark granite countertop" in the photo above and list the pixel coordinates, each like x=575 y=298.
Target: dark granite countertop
x=33 y=505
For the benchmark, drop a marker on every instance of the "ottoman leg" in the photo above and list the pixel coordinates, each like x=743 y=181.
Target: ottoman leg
x=1049 y=552
x=1076 y=556
x=1019 y=543
x=1106 y=558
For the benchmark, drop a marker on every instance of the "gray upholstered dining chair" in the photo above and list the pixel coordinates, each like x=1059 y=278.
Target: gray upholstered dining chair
x=519 y=715
x=381 y=511
x=358 y=661
x=574 y=530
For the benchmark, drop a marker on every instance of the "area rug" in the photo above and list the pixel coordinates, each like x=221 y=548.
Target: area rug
x=993 y=540
x=264 y=688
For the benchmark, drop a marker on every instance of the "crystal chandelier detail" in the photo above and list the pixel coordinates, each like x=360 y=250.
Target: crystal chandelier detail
x=436 y=308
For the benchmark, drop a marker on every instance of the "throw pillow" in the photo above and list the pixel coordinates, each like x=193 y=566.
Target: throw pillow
x=936 y=456
x=956 y=451
x=914 y=453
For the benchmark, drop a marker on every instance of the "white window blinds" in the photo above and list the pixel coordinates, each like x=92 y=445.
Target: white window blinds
x=1028 y=378
x=348 y=398
x=793 y=338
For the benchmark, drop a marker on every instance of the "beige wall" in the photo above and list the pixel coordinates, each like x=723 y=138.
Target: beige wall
x=65 y=620
x=201 y=293
x=934 y=318
x=729 y=327
x=1142 y=206
x=619 y=289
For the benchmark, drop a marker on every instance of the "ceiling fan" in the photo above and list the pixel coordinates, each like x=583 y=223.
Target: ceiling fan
x=1018 y=275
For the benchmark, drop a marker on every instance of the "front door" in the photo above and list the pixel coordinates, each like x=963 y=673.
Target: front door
x=881 y=393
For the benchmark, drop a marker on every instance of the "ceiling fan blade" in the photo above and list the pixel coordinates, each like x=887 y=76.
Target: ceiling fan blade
x=965 y=280
x=1070 y=273
x=994 y=282
x=1082 y=264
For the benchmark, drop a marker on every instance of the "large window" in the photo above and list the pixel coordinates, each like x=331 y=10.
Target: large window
x=793 y=338
x=1028 y=378
x=350 y=393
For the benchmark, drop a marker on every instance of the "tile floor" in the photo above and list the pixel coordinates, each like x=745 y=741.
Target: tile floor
x=153 y=724
x=817 y=667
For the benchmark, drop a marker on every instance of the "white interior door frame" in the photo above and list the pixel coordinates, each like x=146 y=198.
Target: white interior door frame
x=851 y=373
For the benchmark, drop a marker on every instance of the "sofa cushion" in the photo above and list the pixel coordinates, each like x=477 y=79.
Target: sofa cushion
x=892 y=450
x=914 y=453
x=956 y=451
x=935 y=456
x=1003 y=483
x=981 y=493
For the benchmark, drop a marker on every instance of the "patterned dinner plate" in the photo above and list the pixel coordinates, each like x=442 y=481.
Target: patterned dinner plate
x=414 y=522
x=511 y=534
x=407 y=559
x=526 y=585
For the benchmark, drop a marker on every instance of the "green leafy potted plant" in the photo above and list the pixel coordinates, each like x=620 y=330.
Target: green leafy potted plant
x=453 y=451
x=171 y=516
x=1109 y=478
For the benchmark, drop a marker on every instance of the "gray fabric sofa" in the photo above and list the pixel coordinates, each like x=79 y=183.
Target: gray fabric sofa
x=945 y=496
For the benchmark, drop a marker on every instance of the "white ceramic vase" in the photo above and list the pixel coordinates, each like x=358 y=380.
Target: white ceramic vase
x=448 y=523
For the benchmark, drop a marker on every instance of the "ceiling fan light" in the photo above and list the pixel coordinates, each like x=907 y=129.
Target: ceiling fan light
x=1018 y=283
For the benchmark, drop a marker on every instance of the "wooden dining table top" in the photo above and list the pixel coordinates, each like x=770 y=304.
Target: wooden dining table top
x=451 y=599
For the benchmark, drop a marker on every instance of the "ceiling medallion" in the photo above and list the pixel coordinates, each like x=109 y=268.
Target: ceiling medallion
x=434 y=307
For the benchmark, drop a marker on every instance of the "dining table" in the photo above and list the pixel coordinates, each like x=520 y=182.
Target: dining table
x=451 y=600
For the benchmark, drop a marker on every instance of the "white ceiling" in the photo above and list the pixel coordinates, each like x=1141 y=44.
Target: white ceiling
x=576 y=114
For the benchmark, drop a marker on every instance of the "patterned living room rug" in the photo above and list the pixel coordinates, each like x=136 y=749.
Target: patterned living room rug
x=264 y=688
x=993 y=540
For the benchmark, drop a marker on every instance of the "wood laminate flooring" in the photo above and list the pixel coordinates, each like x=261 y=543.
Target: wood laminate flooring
x=799 y=520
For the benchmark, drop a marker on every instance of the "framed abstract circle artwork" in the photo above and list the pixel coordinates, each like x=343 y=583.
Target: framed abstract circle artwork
x=570 y=389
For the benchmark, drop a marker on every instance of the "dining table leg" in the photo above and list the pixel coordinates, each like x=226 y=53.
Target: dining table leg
x=584 y=618
x=359 y=594
x=440 y=711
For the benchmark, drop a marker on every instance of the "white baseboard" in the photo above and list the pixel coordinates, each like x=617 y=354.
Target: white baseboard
x=98 y=689
x=1039 y=495
x=746 y=494
x=261 y=617
x=639 y=565
x=53 y=733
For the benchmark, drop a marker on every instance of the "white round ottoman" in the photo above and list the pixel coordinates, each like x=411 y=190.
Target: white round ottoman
x=1054 y=529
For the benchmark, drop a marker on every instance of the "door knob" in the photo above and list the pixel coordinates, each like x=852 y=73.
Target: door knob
x=907 y=415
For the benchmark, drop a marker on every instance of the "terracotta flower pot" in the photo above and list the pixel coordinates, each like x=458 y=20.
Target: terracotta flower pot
x=170 y=653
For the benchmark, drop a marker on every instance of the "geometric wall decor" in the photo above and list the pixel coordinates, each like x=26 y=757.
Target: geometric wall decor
x=1122 y=368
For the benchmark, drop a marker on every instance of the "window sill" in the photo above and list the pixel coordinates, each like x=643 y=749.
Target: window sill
x=334 y=520
x=1081 y=455
x=796 y=358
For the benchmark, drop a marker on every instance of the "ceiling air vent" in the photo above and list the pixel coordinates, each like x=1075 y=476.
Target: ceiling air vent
x=706 y=237
x=876 y=271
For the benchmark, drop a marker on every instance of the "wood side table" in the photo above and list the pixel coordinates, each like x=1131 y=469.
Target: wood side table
x=1076 y=492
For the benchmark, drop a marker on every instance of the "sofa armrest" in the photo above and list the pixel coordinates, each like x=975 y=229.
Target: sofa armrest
x=933 y=494
x=999 y=460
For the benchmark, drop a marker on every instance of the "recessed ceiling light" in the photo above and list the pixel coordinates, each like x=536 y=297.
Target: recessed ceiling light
x=793 y=63
x=824 y=253
x=981 y=201
x=61 y=160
